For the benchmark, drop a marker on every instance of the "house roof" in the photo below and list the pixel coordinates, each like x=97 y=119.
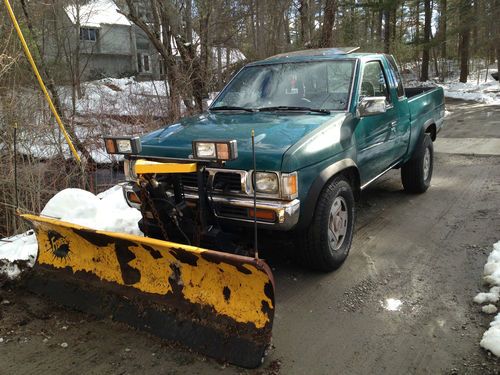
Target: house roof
x=95 y=13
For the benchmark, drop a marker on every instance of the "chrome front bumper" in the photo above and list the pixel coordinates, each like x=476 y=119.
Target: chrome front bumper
x=286 y=212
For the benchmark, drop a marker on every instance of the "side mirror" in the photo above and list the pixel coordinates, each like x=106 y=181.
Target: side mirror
x=371 y=105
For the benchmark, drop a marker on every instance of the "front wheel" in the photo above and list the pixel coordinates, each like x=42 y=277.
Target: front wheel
x=326 y=242
x=416 y=173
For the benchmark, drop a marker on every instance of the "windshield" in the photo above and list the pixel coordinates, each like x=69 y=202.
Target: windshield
x=319 y=85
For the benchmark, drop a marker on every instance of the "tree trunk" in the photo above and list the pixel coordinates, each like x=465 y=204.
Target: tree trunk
x=305 y=23
x=443 y=25
x=326 y=39
x=497 y=32
x=380 y=20
x=189 y=21
x=387 y=31
x=417 y=28
x=424 y=76
x=288 y=37
x=464 y=39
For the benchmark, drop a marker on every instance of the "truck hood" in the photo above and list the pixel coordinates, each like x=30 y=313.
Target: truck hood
x=275 y=133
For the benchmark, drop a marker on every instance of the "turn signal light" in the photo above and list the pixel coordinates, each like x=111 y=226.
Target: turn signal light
x=123 y=145
x=267 y=215
x=133 y=197
x=289 y=185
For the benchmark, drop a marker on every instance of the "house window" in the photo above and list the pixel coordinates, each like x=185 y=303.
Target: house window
x=161 y=64
x=143 y=63
x=89 y=34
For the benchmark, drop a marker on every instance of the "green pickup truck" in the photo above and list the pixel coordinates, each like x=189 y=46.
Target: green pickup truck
x=327 y=123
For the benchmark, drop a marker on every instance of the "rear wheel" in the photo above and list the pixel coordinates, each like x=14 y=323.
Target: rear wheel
x=326 y=242
x=416 y=174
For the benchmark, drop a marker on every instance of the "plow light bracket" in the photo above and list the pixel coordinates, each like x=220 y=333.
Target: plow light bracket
x=215 y=150
x=123 y=145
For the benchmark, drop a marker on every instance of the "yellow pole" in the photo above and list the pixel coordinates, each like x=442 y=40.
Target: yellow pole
x=40 y=81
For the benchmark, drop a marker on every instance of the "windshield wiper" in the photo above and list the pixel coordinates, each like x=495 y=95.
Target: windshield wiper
x=292 y=108
x=231 y=108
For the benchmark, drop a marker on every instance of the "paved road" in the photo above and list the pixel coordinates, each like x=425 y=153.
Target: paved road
x=425 y=251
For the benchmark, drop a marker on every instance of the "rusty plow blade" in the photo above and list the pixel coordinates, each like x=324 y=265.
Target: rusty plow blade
x=221 y=305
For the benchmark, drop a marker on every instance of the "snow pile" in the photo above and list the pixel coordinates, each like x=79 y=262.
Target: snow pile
x=485 y=90
x=121 y=97
x=106 y=211
x=491 y=338
x=14 y=250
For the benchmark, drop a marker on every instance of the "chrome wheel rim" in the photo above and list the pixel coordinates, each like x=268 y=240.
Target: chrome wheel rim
x=337 y=223
x=427 y=163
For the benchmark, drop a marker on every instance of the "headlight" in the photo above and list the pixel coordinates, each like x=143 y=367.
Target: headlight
x=266 y=182
x=123 y=145
x=215 y=150
x=129 y=170
x=289 y=185
x=205 y=150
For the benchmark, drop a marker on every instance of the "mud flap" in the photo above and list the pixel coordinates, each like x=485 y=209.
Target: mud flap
x=219 y=304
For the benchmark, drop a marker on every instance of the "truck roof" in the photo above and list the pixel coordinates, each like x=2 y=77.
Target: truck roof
x=317 y=54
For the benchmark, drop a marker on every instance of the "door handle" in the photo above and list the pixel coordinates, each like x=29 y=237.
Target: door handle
x=394 y=123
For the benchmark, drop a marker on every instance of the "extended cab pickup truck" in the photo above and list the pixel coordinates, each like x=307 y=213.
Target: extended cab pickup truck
x=327 y=123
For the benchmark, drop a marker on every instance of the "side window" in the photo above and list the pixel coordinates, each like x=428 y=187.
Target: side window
x=397 y=76
x=374 y=82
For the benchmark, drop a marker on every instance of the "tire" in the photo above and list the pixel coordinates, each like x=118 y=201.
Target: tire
x=317 y=248
x=416 y=173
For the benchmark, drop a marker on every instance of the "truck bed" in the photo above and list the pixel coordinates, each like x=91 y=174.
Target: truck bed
x=426 y=106
x=415 y=91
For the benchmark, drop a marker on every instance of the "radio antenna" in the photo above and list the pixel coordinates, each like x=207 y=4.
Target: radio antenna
x=254 y=178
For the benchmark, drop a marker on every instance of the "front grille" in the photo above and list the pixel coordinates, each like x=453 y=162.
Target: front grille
x=227 y=181
x=191 y=179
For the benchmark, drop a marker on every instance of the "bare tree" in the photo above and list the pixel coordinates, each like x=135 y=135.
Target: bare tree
x=305 y=22
x=326 y=39
x=464 y=38
x=49 y=81
x=424 y=76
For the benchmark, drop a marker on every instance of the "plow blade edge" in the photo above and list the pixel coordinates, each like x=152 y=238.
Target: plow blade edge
x=219 y=304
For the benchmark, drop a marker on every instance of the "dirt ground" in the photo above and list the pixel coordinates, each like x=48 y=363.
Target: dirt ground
x=427 y=251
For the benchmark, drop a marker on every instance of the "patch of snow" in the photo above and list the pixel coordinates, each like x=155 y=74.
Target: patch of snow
x=492 y=296
x=486 y=90
x=392 y=304
x=106 y=211
x=491 y=338
x=18 y=247
x=22 y=247
x=120 y=97
x=95 y=13
x=492 y=266
x=489 y=309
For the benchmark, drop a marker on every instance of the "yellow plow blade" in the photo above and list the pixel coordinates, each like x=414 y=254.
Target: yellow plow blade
x=219 y=304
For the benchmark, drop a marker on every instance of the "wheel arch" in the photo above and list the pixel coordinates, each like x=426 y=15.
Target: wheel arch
x=431 y=129
x=344 y=167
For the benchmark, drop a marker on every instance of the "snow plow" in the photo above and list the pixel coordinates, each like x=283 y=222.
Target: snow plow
x=218 y=303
